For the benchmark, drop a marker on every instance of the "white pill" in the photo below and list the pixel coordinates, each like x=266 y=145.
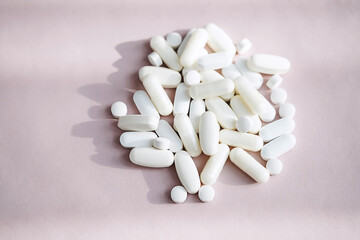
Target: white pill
x=231 y=72
x=118 y=109
x=141 y=123
x=166 y=131
x=151 y=157
x=274 y=81
x=196 y=42
x=187 y=172
x=168 y=78
x=210 y=76
x=278 y=146
x=137 y=139
x=181 y=100
x=255 y=78
x=187 y=134
x=144 y=104
x=218 y=40
x=155 y=59
x=166 y=52
x=209 y=133
x=211 y=89
x=215 y=165
x=269 y=114
x=197 y=107
x=249 y=165
x=276 y=129
x=278 y=96
x=161 y=143
x=206 y=193
x=246 y=141
x=244 y=124
x=269 y=64
x=203 y=52
x=287 y=110
x=178 y=194
x=214 y=61
x=224 y=114
x=274 y=166
x=192 y=77
x=174 y=39
x=243 y=46
x=185 y=41
x=158 y=95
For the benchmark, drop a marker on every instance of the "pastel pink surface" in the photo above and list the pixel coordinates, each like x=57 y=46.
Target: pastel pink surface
x=63 y=174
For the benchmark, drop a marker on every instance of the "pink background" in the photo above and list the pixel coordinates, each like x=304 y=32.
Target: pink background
x=63 y=174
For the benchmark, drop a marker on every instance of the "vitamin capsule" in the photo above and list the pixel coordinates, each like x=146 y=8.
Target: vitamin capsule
x=210 y=76
x=274 y=81
x=192 y=77
x=185 y=41
x=255 y=78
x=269 y=64
x=196 y=42
x=161 y=143
x=243 y=124
x=181 y=100
x=187 y=172
x=246 y=141
x=214 y=61
x=137 y=139
x=231 y=72
x=276 y=129
x=209 y=133
x=168 y=78
x=274 y=166
x=151 y=157
x=249 y=165
x=155 y=59
x=224 y=114
x=166 y=131
x=158 y=95
x=197 y=107
x=144 y=104
x=174 y=39
x=206 y=193
x=278 y=147
x=287 y=110
x=166 y=52
x=141 y=123
x=218 y=40
x=269 y=114
x=211 y=89
x=118 y=109
x=178 y=194
x=187 y=134
x=215 y=165
x=278 y=96
x=243 y=46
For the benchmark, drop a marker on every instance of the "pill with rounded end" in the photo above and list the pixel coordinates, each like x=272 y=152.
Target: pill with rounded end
x=137 y=139
x=274 y=81
x=206 y=193
x=244 y=124
x=214 y=61
x=269 y=113
x=287 y=110
x=192 y=77
x=276 y=129
x=166 y=52
x=218 y=40
x=268 y=63
x=247 y=141
x=161 y=143
x=278 y=96
x=178 y=194
x=231 y=72
x=224 y=114
x=274 y=166
x=255 y=78
x=174 y=39
x=196 y=42
x=209 y=133
x=243 y=46
x=168 y=78
x=209 y=76
x=249 y=165
x=166 y=131
x=118 y=109
x=181 y=99
x=137 y=122
x=151 y=157
x=185 y=41
x=155 y=59
x=187 y=172
x=144 y=104
x=211 y=89
x=197 y=107
x=278 y=147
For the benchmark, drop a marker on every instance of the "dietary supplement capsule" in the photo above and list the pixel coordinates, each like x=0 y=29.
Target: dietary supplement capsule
x=224 y=114
x=137 y=139
x=195 y=43
x=185 y=41
x=168 y=78
x=278 y=147
x=151 y=157
x=209 y=133
x=181 y=100
x=214 y=61
x=218 y=40
x=141 y=123
x=269 y=64
x=166 y=52
x=187 y=172
x=197 y=107
x=144 y=104
x=276 y=129
x=255 y=78
x=211 y=89
x=247 y=141
x=166 y=131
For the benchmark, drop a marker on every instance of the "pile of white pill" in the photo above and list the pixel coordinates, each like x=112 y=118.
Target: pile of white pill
x=212 y=111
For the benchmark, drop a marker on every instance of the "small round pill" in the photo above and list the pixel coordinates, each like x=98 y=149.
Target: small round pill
x=243 y=46
x=274 y=166
x=161 y=143
x=173 y=39
x=278 y=96
x=244 y=124
x=178 y=194
x=287 y=110
x=192 y=78
x=155 y=59
x=118 y=109
x=206 y=193
x=274 y=81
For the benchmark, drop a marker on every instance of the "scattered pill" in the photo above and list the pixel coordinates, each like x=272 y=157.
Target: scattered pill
x=181 y=100
x=246 y=141
x=218 y=40
x=174 y=39
x=166 y=131
x=269 y=64
x=168 y=78
x=209 y=76
x=151 y=157
x=185 y=41
x=137 y=139
x=231 y=72
x=274 y=166
x=195 y=43
x=214 y=165
x=118 y=109
x=211 y=89
x=224 y=114
x=287 y=110
x=137 y=122
x=166 y=52
x=209 y=133
x=155 y=59
x=243 y=46
x=255 y=78
x=214 y=61
x=277 y=147
x=206 y=193
x=244 y=124
x=197 y=108
x=192 y=78
x=278 y=96
x=161 y=143
x=276 y=129
x=178 y=194
x=144 y=104
x=274 y=81
x=187 y=172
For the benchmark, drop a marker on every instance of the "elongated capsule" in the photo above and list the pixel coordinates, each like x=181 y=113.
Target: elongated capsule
x=278 y=147
x=196 y=42
x=141 y=123
x=214 y=165
x=166 y=131
x=224 y=114
x=144 y=104
x=269 y=64
x=209 y=133
x=247 y=141
x=197 y=107
x=168 y=78
x=166 y=52
x=209 y=76
x=182 y=99
x=231 y=72
x=184 y=42
x=214 y=61
x=255 y=78
x=151 y=157
x=218 y=40
x=137 y=139
x=211 y=89
x=276 y=129
x=187 y=172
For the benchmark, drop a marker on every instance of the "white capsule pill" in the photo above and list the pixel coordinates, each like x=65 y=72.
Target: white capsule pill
x=247 y=141
x=224 y=114
x=269 y=113
x=141 y=123
x=218 y=40
x=214 y=61
x=249 y=165
x=174 y=39
x=151 y=157
x=178 y=194
x=274 y=166
x=192 y=77
x=137 y=139
x=243 y=46
x=118 y=109
x=287 y=110
x=144 y=104
x=197 y=107
x=158 y=95
x=278 y=146
x=187 y=172
x=231 y=72
x=161 y=143
x=209 y=133
x=210 y=76
x=244 y=124
x=215 y=165
x=274 y=81
x=206 y=193
x=181 y=100
x=185 y=41
x=155 y=59
x=278 y=96
x=166 y=131
x=255 y=78
x=166 y=52
x=211 y=89
x=269 y=64
x=194 y=45
x=276 y=129
x=187 y=134
x=168 y=78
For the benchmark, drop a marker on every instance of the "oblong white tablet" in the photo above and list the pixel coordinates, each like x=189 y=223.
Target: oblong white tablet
x=206 y=193
x=214 y=61
x=197 y=107
x=178 y=194
x=166 y=131
x=278 y=147
x=268 y=63
x=166 y=52
x=141 y=123
x=118 y=109
x=151 y=157
x=187 y=172
x=249 y=165
x=276 y=129
x=287 y=110
x=231 y=72
x=255 y=78
x=269 y=113
x=168 y=78
x=181 y=100
x=161 y=143
x=195 y=43
x=210 y=76
x=144 y=104
x=246 y=141
x=155 y=59
x=224 y=114
x=209 y=133
x=185 y=41
x=278 y=96
x=137 y=139
x=274 y=166
x=218 y=40
x=211 y=89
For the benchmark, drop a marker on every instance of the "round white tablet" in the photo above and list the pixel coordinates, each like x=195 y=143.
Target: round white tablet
x=178 y=194
x=192 y=78
x=244 y=124
x=161 y=143
x=287 y=110
x=274 y=166
x=173 y=39
x=206 y=193
x=278 y=96
x=155 y=59
x=118 y=109
x=274 y=81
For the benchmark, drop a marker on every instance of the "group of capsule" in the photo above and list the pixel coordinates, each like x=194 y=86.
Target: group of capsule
x=216 y=106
